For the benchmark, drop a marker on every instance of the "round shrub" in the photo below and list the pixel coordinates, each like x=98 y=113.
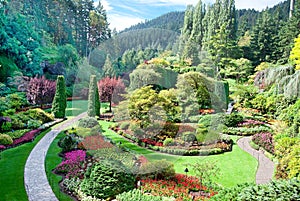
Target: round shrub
x=39 y=114
x=233 y=119
x=106 y=179
x=88 y=122
x=5 y=139
x=169 y=142
x=124 y=125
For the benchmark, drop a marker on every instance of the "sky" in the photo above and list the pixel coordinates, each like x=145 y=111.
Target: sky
x=124 y=13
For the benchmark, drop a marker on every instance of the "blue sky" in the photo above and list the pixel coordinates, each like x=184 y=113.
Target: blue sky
x=124 y=13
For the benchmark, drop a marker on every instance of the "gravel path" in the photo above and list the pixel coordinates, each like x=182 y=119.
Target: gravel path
x=35 y=178
x=265 y=168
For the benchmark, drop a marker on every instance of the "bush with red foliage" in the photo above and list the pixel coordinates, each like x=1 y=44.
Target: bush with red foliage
x=94 y=143
x=27 y=137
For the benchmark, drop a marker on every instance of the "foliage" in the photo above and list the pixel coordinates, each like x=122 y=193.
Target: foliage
x=68 y=143
x=264 y=140
x=92 y=97
x=59 y=103
x=40 y=90
x=88 y=122
x=107 y=179
x=233 y=119
x=94 y=142
x=168 y=142
x=244 y=131
x=111 y=90
x=39 y=114
x=287 y=151
x=17 y=133
x=295 y=53
x=5 y=139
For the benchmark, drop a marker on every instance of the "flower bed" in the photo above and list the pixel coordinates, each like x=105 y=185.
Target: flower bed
x=264 y=140
x=71 y=166
x=243 y=131
x=179 y=187
x=249 y=123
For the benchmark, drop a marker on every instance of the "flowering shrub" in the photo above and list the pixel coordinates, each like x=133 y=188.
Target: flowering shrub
x=179 y=187
x=264 y=140
x=71 y=166
x=2 y=147
x=27 y=137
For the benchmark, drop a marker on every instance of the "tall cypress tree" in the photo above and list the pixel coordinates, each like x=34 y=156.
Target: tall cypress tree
x=93 y=102
x=59 y=103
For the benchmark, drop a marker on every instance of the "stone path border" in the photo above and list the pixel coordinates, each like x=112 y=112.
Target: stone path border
x=35 y=178
x=265 y=168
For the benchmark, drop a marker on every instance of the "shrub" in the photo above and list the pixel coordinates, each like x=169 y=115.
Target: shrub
x=6 y=126
x=137 y=194
x=32 y=124
x=59 y=103
x=39 y=114
x=212 y=119
x=233 y=119
x=106 y=179
x=5 y=139
x=88 y=122
x=161 y=169
x=68 y=143
x=170 y=130
x=124 y=125
x=264 y=140
x=17 y=133
x=169 y=142
x=92 y=97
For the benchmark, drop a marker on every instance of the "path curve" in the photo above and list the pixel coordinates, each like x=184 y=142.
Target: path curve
x=35 y=178
x=265 y=168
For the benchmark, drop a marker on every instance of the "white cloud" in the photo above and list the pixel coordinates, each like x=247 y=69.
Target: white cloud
x=106 y=5
x=256 y=4
x=121 y=22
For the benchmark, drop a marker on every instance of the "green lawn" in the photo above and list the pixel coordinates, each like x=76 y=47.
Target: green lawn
x=76 y=107
x=12 y=165
x=52 y=160
x=235 y=167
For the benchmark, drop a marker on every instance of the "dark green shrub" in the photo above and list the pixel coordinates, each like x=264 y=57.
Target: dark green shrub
x=92 y=102
x=59 y=103
x=5 y=139
x=68 y=143
x=106 y=179
x=137 y=194
x=88 y=122
x=6 y=126
x=233 y=119
x=161 y=169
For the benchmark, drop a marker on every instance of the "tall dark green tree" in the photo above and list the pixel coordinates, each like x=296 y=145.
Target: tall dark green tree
x=93 y=101
x=59 y=103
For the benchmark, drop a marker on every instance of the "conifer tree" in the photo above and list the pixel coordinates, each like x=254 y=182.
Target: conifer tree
x=59 y=104
x=108 y=69
x=93 y=101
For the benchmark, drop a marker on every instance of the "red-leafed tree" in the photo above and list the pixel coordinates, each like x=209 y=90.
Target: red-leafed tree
x=110 y=90
x=40 y=90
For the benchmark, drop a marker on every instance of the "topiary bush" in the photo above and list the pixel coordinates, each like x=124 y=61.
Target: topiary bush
x=106 y=179
x=5 y=139
x=59 y=103
x=88 y=122
x=188 y=137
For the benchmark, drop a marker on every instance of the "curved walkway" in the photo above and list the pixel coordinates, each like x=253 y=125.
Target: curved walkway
x=265 y=168
x=35 y=178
